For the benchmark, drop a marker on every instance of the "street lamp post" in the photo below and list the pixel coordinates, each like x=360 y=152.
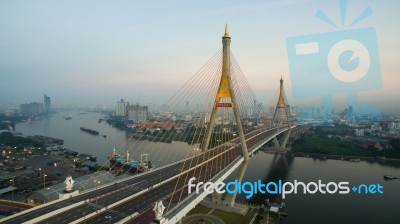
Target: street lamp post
x=44 y=187
x=160 y=162
x=109 y=218
x=160 y=176
x=84 y=217
x=96 y=182
x=12 y=192
x=40 y=172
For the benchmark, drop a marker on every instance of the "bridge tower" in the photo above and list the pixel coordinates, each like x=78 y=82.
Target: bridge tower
x=281 y=110
x=225 y=91
x=281 y=117
x=230 y=199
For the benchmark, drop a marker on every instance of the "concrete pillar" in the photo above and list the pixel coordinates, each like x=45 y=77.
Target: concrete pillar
x=230 y=198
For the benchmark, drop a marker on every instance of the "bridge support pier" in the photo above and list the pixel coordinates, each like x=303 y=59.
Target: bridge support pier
x=284 y=141
x=230 y=198
x=216 y=198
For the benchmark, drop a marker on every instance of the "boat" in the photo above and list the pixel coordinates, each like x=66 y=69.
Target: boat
x=71 y=153
x=88 y=157
x=274 y=207
x=124 y=163
x=389 y=177
x=355 y=160
x=90 y=131
x=68 y=117
x=104 y=136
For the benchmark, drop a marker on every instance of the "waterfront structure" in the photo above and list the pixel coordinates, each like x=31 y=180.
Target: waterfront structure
x=9 y=112
x=46 y=104
x=122 y=108
x=392 y=126
x=31 y=108
x=158 y=125
x=359 y=132
x=137 y=113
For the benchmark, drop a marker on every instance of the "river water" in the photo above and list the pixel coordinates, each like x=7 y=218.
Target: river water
x=326 y=208
x=301 y=208
x=69 y=130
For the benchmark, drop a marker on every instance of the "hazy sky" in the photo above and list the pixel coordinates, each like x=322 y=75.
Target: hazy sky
x=92 y=53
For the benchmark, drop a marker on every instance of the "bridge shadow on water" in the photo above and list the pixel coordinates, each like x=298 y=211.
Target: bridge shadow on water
x=279 y=169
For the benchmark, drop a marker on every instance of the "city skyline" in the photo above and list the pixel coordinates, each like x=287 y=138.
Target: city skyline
x=97 y=53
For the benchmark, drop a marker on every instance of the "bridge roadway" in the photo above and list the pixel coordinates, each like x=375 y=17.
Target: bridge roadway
x=147 y=200
x=147 y=215
x=112 y=194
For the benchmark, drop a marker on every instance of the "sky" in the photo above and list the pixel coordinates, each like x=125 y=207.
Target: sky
x=93 y=53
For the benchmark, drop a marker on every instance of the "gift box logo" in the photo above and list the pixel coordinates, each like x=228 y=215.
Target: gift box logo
x=343 y=61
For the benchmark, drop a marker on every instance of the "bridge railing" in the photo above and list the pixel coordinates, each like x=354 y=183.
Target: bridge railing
x=172 y=212
x=188 y=201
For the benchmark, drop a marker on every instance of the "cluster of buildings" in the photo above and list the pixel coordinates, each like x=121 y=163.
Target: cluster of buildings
x=393 y=125
x=36 y=108
x=133 y=112
x=376 y=134
x=386 y=128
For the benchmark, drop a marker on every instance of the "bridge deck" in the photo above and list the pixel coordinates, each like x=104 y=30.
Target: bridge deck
x=142 y=191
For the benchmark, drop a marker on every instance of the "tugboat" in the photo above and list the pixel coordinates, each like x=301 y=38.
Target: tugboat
x=273 y=204
x=120 y=162
x=90 y=131
x=68 y=117
x=276 y=208
x=355 y=160
x=389 y=177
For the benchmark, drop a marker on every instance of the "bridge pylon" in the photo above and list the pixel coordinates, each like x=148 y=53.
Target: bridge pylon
x=281 y=116
x=281 y=113
x=226 y=92
x=230 y=199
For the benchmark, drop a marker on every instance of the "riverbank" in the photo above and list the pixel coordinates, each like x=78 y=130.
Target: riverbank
x=339 y=157
x=340 y=141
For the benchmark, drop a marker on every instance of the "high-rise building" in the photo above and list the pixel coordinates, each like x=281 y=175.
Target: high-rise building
x=350 y=111
x=122 y=108
x=359 y=132
x=392 y=125
x=46 y=104
x=31 y=108
x=137 y=113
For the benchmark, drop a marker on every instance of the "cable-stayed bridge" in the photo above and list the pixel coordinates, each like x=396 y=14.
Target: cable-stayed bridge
x=221 y=137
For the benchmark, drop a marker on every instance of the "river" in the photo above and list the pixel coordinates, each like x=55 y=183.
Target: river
x=57 y=126
x=301 y=208
x=326 y=208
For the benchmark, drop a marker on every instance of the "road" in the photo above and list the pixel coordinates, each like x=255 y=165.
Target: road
x=199 y=217
x=148 y=199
